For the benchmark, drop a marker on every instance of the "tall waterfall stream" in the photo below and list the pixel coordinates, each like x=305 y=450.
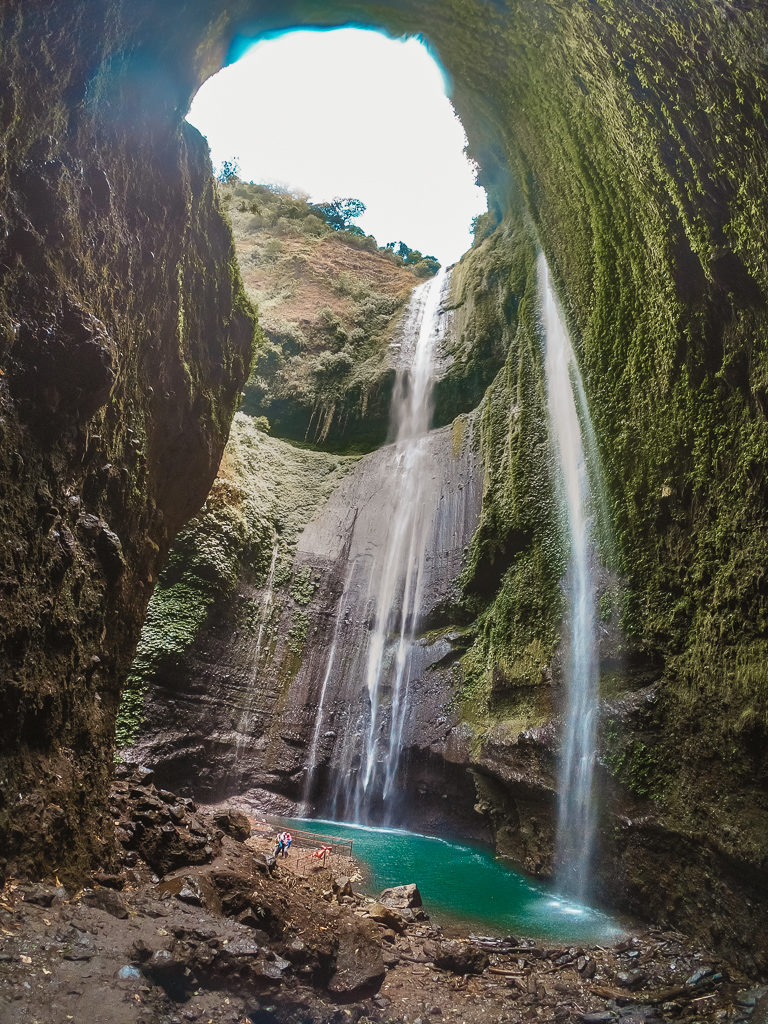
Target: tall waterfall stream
x=388 y=544
x=576 y=806
x=397 y=576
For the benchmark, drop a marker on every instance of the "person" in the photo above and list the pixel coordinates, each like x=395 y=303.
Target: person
x=280 y=844
x=287 y=840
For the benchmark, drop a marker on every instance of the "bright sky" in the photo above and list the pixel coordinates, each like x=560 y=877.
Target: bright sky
x=349 y=112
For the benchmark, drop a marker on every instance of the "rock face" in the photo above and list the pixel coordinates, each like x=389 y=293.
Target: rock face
x=124 y=341
x=631 y=135
x=255 y=732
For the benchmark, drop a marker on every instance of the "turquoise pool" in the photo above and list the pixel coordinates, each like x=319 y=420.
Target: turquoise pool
x=462 y=883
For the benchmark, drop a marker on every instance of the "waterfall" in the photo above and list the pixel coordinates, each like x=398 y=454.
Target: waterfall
x=265 y=605
x=396 y=576
x=312 y=753
x=576 y=811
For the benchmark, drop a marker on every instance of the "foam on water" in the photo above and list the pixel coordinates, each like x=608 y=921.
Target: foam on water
x=463 y=883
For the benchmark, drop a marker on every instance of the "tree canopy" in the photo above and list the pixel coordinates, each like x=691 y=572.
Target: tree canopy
x=339 y=213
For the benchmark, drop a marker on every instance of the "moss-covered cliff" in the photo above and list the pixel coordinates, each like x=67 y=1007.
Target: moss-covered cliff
x=632 y=133
x=124 y=340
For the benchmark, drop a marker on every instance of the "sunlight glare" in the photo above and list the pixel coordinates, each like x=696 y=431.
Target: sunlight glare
x=349 y=112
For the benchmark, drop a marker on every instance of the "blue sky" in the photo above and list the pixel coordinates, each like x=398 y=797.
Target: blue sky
x=349 y=112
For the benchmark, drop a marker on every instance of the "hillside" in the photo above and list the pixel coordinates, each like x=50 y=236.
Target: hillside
x=328 y=305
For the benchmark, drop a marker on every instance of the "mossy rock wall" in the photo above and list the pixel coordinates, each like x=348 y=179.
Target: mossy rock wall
x=125 y=338
x=632 y=133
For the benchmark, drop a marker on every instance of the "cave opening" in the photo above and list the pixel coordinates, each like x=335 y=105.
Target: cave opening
x=633 y=137
x=348 y=112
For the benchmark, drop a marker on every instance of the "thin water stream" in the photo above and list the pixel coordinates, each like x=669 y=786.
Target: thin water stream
x=265 y=606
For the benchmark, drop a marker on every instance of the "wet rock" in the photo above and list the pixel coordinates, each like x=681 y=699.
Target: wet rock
x=704 y=976
x=461 y=957
x=234 y=824
x=750 y=997
x=358 y=965
x=599 y=1017
x=760 y=1012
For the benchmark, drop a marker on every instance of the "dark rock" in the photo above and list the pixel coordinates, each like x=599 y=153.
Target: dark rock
x=461 y=957
x=234 y=824
x=631 y=979
x=599 y=1017
x=39 y=895
x=265 y=863
x=358 y=965
x=342 y=886
x=191 y=895
x=171 y=973
x=107 y=900
x=109 y=881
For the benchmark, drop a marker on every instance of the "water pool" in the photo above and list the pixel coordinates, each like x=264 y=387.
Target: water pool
x=461 y=883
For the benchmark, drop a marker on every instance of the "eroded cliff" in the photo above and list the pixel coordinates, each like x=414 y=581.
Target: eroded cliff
x=633 y=136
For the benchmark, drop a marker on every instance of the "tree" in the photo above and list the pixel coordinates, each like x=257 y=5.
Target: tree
x=229 y=170
x=340 y=213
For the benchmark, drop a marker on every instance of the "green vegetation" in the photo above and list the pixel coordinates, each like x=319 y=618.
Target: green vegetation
x=329 y=300
x=515 y=561
x=339 y=213
x=424 y=266
x=265 y=492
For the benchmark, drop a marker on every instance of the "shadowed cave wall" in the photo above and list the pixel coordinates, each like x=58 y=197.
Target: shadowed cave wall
x=631 y=135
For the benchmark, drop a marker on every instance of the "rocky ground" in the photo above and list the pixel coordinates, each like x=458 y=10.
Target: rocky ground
x=198 y=924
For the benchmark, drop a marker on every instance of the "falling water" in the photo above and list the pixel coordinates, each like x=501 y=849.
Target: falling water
x=320 y=714
x=397 y=575
x=576 y=812
x=267 y=596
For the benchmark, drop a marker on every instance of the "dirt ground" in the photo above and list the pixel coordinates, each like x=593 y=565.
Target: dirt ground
x=196 y=925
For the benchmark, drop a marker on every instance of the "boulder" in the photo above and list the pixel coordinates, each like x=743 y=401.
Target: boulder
x=107 y=900
x=235 y=824
x=461 y=957
x=265 y=863
x=401 y=896
x=342 y=886
x=358 y=964
x=386 y=916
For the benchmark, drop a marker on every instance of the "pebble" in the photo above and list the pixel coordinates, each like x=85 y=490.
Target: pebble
x=129 y=973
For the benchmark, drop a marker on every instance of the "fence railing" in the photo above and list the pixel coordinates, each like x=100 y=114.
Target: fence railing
x=334 y=844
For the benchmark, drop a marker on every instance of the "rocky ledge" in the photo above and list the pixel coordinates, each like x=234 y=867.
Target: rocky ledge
x=199 y=923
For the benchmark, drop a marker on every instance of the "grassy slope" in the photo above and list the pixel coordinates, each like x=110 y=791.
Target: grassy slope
x=328 y=304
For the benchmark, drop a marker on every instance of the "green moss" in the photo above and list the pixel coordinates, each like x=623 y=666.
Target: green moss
x=635 y=764
x=304 y=586
x=265 y=492
x=297 y=635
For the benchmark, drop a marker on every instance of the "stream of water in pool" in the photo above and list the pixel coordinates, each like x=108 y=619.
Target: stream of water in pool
x=465 y=884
